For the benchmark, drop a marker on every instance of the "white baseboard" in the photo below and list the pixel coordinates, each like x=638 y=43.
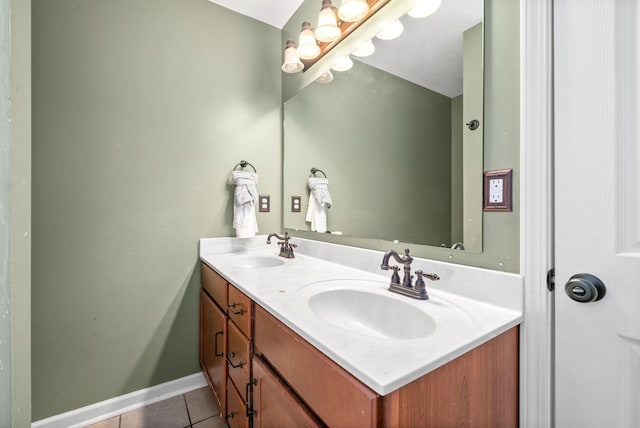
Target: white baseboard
x=106 y=409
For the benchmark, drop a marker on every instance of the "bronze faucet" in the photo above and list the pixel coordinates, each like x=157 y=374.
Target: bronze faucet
x=286 y=248
x=418 y=291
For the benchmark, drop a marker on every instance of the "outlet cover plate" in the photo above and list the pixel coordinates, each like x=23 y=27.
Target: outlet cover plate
x=264 y=203
x=498 y=190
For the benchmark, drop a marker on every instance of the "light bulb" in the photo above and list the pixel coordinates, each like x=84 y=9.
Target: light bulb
x=292 y=63
x=392 y=31
x=343 y=64
x=365 y=49
x=325 y=77
x=424 y=8
x=353 y=10
x=327 y=30
x=307 y=47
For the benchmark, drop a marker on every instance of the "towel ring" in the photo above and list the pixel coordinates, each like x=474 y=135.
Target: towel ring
x=243 y=164
x=314 y=170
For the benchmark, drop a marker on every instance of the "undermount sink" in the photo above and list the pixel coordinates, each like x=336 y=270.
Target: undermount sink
x=256 y=262
x=370 y=313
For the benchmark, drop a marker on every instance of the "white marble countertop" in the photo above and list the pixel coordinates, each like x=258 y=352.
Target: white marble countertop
x=469 y=305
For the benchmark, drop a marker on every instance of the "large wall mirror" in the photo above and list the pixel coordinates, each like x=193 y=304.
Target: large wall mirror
x=394 y=136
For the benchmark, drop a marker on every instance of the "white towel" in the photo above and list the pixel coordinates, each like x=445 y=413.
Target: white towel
x=319 y=202
x=244 y=200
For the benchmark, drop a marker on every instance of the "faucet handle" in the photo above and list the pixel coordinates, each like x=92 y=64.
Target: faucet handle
x=395 y=278
x=420 y=285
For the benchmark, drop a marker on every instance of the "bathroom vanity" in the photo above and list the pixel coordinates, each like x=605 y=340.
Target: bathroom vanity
x=278 y=350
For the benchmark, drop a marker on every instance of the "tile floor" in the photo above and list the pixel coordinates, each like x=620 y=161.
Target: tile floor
x=195 y=409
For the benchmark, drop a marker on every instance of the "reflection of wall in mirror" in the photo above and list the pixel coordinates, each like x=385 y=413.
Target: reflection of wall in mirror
x=385 y=145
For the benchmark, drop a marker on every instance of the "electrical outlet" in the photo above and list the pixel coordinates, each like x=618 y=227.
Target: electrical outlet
x=264 y=203
x=497 y=190
x=496 y=186
x=295 y=204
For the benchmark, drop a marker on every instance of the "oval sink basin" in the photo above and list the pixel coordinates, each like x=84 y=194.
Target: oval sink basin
x=256 y=262
x=371 y=314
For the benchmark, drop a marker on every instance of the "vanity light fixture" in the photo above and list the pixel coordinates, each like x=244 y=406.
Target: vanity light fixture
x=392 y=31
x=292 y=63
x=334 y=25
x=327 y=30
x=343 y=64
x=365 y=49
x=307 y=47
x=424 y=8
x=325 y=77
x=353 y=10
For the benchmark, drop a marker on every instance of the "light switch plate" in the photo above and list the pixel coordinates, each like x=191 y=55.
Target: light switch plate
x=264 y=203
x=498 y=190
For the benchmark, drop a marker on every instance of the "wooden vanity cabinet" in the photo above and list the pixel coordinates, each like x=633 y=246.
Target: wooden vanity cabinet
x=477 y=389
x=226 y=333
x=266 y=375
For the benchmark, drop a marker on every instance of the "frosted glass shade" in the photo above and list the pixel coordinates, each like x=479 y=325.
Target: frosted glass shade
x=307 y=47
x=365 y=49
x=424 y=8
x=353 y=10
x=343 y=64
x=327 y=30
x=325 y=77
x=292 y=63
x=392 y=31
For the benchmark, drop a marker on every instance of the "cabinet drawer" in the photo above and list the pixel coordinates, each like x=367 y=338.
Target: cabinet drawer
x=215 y=285
x=347 y=403
x=236 y=409
x=240 y=310
x=238 y=357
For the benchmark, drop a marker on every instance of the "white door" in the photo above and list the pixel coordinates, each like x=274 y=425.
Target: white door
x=597 y=205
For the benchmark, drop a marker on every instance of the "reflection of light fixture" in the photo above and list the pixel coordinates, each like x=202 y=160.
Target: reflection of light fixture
x=327 y=30
x=292 y=63
x=307 y=47
x=424 y=8
x=325 y=77
x=391 y=31
x=365 y=49
x=353 y=10
x=343 y=64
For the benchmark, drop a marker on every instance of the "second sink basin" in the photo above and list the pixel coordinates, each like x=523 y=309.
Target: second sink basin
x=256 y=262
x=372 y=314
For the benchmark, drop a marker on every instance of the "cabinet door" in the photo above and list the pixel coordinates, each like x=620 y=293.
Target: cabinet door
x=236 y=415
x=336 y=397
x=213 y=347
x=275 y=405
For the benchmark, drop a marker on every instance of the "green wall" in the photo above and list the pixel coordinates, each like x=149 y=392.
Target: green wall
x=141 y=109
x=15 y=125
x=501 y=233
x=378 y=138
x=5 y=289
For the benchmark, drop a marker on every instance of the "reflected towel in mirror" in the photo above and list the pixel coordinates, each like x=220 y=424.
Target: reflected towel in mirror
x=244 y=201
x=319 y=202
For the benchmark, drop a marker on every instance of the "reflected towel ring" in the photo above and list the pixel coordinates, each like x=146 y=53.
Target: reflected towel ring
x=314 y=170
x=243 y=164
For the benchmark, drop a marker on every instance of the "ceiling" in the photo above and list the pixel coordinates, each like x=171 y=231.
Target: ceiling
x=429 y=52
